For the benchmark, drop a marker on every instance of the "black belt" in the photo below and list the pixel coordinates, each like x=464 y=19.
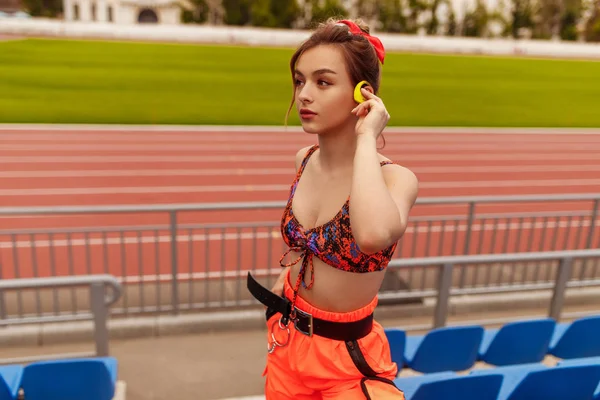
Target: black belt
x=306 y=323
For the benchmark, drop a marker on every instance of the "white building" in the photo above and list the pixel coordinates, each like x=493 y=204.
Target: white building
x=169 y=11
x=123 y=11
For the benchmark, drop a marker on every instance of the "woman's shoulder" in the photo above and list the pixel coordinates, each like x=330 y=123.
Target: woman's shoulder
x=301 y=154
x=394 y=171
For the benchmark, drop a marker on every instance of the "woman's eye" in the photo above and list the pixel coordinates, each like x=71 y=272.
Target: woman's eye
x=324 y=83
x=297 y=82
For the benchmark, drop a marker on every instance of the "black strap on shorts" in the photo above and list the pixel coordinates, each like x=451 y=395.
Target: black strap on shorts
x=365 y=369
x=305 y=322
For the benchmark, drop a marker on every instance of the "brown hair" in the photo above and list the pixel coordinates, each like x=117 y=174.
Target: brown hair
x=360 y=56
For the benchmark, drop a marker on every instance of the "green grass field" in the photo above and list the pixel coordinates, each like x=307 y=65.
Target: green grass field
x=60 y=81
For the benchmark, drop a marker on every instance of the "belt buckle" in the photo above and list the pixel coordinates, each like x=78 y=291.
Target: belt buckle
x=310 y=322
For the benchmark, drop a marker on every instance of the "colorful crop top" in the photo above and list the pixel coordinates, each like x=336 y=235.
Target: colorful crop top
x=332 y=242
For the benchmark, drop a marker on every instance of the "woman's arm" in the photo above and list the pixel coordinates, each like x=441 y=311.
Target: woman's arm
x=379 y=202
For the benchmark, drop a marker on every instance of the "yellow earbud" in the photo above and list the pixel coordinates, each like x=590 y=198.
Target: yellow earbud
x=358 y=97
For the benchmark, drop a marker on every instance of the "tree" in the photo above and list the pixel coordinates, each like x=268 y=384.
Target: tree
x=451 y=25
x=557 y=19
x=547 y=19
x=522 y=16
x=331 y=8
x=592 y=26
x=237 y=12
x=286 y=12
x=391 y=16
x=261 y=15
x=367 y=10
x=499 y=19
x=265 y=13
x=197 y=13
x=43 y=8
x=434 y=23
x=475 y=22
x=216 y=12
x=416 y=8
x=572 y=12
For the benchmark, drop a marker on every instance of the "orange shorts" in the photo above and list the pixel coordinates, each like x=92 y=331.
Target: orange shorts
x=321 y=368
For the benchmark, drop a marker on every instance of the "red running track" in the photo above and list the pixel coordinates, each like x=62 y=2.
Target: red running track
x=117 y=167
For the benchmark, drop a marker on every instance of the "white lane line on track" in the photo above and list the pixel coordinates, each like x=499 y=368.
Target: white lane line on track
x=173 y=138
x=511 y=183
x=291 y=148
x=432 y=157
x=252 y=129
x=298 y=140
x=280 y=187
x=150 y=172
x=281 y=171
x=274 y=234
x=144 y=189
x=507 y=168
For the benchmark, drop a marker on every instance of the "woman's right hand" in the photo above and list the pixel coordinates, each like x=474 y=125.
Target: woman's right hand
x=278 y=288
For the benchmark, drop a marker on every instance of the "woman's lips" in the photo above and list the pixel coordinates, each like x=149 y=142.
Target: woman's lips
x=307 y=114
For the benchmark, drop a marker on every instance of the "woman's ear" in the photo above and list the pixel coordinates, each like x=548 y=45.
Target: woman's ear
x=358 y=97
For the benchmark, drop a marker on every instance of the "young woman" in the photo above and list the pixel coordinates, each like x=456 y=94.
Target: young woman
x=348 y=207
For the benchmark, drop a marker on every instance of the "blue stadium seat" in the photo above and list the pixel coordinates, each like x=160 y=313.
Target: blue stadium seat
x=397 y=340
x=537 y=381
x=519 y=342
x=512 y=374
x=583 y=361
x=558 y=383
x=460 y=387
x=444 y=349
x=10 y=381
x=576 y=339
x=410 y=384
x=580 y=361
x=71 y=379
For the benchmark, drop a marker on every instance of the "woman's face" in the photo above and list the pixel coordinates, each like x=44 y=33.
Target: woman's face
x=324 y=90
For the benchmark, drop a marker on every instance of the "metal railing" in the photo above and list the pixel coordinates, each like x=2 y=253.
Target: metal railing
x=176 y=264
x=98 y=310
x=445 y=283
x=565 y=267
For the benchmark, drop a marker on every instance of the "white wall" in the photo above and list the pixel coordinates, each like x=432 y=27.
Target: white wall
x=126 y=14
x=277 y=37
x=123 y=12
x=170 y=16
